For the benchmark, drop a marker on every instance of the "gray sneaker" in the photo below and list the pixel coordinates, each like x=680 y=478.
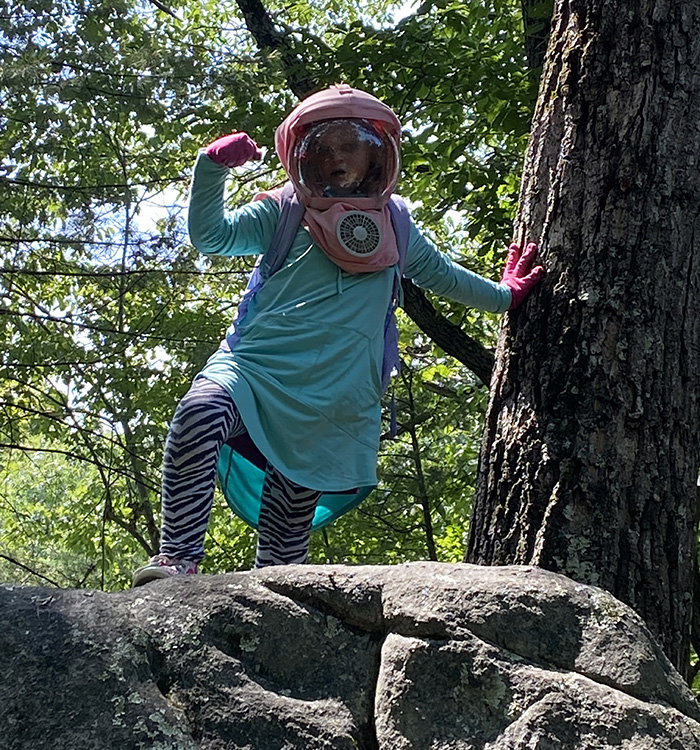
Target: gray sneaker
x=162 y=566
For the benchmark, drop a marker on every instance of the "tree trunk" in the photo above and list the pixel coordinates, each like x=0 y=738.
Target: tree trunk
x=590 y=458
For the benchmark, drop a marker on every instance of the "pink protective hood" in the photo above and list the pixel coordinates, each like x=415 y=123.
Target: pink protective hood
x=337 y=102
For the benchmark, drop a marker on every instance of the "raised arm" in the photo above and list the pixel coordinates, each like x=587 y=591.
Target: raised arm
x=214 y=231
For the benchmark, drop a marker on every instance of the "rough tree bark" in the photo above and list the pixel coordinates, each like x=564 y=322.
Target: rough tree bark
x=590 y=458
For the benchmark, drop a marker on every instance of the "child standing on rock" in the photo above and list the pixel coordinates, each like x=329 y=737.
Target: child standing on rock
x=300 y=375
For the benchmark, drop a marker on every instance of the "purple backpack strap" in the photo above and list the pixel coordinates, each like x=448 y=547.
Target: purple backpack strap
x=401 y=221
x=291 y=213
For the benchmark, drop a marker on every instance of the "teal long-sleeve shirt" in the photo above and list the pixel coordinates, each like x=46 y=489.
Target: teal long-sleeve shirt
x=306 y=372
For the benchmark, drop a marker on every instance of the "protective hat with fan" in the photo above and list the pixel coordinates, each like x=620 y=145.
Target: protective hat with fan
x=340 y=148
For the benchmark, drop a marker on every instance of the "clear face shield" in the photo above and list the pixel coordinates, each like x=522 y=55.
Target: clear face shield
x=344 y=158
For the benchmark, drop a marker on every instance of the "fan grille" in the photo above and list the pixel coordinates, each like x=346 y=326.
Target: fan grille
x=359 y=233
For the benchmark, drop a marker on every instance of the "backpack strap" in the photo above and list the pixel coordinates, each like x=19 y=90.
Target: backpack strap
x=401 y=221
x=290 y=216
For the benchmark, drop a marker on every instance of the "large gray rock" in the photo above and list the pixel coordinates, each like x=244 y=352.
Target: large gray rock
x=421 y=656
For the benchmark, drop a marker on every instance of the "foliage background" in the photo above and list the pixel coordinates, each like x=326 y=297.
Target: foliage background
x=108 y=312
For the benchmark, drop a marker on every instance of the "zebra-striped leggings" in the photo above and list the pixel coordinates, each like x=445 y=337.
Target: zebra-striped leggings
x=204 y=419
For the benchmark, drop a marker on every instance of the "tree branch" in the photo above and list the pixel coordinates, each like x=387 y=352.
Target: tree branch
x=446 y=335
x=69 y=454
x=29 y=570
x=90 y=188
x=132 y=335
x=268 y=37
x=162 y=7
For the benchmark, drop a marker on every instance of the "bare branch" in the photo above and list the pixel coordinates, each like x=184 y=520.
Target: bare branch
x=116 y=273
x=29 y=570
x=90 y=188
x=451 y=338
x=268 y=37
x=162 y=7
x=132 y=335
x=70 y=454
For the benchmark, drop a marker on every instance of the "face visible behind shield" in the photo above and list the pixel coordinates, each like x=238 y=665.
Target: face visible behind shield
x=346 y=157
x=347 y=202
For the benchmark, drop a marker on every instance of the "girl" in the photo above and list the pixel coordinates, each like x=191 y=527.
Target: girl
x=299 y=375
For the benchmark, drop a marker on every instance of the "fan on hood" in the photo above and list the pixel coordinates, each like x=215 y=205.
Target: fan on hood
x=359 y=233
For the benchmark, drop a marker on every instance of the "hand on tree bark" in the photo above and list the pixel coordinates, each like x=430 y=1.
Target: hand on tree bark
x=233 y=150
x=518 y=274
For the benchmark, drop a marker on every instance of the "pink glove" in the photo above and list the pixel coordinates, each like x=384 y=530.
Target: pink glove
x=233 y=150
x=517 y=275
